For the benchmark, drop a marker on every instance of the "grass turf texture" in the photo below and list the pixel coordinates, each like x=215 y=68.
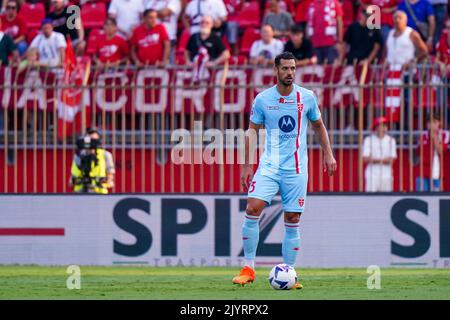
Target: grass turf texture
x=123 y=282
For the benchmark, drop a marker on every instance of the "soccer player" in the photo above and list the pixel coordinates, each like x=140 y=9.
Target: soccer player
x=284 y=110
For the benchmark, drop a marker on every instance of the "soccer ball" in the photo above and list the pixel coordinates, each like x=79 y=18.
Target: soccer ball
x=282 y=277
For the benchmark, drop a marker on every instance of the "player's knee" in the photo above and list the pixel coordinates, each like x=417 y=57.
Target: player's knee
x=292 y=217
x=253 y=209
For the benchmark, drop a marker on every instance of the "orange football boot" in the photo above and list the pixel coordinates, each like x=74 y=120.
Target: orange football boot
x=247 y=275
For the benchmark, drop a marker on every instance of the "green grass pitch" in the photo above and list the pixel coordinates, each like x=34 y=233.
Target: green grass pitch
x=124 y=282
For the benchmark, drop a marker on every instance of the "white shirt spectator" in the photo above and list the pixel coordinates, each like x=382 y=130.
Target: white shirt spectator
x=171 y=22
x=379 y=176
x=49 y=48
x=269 y=50
x=127 y=14
x=196 y=9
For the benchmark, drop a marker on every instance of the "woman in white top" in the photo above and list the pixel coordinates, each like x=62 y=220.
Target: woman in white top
x=379 y=152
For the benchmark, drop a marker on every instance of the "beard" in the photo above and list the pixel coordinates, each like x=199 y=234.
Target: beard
x=286 y=82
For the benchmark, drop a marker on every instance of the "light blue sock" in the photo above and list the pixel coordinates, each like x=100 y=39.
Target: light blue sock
x=250 y=238
x=291 y=243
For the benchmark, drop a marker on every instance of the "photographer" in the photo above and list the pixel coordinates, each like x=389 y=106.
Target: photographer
x=92 y=166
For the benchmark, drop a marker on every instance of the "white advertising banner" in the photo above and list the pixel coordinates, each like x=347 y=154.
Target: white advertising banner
x=205 y=230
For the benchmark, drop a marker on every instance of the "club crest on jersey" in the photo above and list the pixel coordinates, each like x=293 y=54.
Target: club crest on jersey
x=301 y=202
x=300 y=107
x=286 y=123
x=283 y=100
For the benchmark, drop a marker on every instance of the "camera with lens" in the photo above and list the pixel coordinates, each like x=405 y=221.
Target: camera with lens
x=87 y=157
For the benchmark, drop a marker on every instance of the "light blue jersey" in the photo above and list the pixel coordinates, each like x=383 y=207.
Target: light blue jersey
x=285 y=119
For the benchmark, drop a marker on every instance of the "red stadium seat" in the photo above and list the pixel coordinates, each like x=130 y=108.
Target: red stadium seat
x=32 y=14
x=250 y=35
x=249 y=16
x=93 y=15
x=94 y=35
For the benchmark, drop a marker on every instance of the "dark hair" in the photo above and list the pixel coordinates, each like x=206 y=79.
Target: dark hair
x=147 y=11
x=92 y=130
x=285 y=56
x=112 y=20
x=433 y=116
x=295 y=29
x=16 y=2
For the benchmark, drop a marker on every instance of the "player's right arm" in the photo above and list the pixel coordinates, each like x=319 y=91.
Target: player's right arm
x=256 y=123
x=250 y=141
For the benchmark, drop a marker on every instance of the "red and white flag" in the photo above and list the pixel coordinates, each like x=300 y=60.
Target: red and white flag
x=394 y=84
x=72 y=99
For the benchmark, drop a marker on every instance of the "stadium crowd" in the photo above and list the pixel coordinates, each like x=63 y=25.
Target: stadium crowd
x=158 y=32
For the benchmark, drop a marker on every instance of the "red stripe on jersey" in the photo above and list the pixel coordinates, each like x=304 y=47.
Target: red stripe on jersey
x=297 y=142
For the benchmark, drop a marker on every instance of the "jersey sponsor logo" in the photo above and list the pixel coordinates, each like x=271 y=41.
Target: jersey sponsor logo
x=283 y=100
x=286 y=123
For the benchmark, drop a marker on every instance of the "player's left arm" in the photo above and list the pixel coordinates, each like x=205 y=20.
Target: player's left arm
x=329 y=164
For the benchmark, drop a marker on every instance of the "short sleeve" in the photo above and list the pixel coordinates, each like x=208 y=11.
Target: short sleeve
x=254 y=50
x=221 y=9
x=35 y=41
x=366 y=147
x=125 y=48
x=339 y=11
x=113 y=7
x=188 y=11
x=429 y=9
x=314 y=111
x=191 y=46
x=60 y=41
x=257 y=112
x=279 y=47
x=174 y=6
x=393 y=148
x=163 y=33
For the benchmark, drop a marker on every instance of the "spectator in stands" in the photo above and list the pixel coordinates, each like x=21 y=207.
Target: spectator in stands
x=127 y=13
x=420 y=18
x=196 y=9
x=215 y=9
x=388 y=7
x=14 y=25
x=265 y=50
x=443 y=49
x=440 y=8
x=168 y=13
x=361 y=44
x=216 y=51
x=62 y=18
x=48 y=48
x=404 y=45
x=7 y=48
x=431 y=154
x=281 y=21
x=112 y=48
x=379 y=153
x=300 y=47
x=150 y=42
x=325 y=29
x=301 y=7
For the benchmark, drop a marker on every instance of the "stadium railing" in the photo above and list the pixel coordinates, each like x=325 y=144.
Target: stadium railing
x=139 y=109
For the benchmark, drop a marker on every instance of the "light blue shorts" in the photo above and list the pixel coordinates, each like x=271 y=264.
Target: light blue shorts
x=292 y=188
